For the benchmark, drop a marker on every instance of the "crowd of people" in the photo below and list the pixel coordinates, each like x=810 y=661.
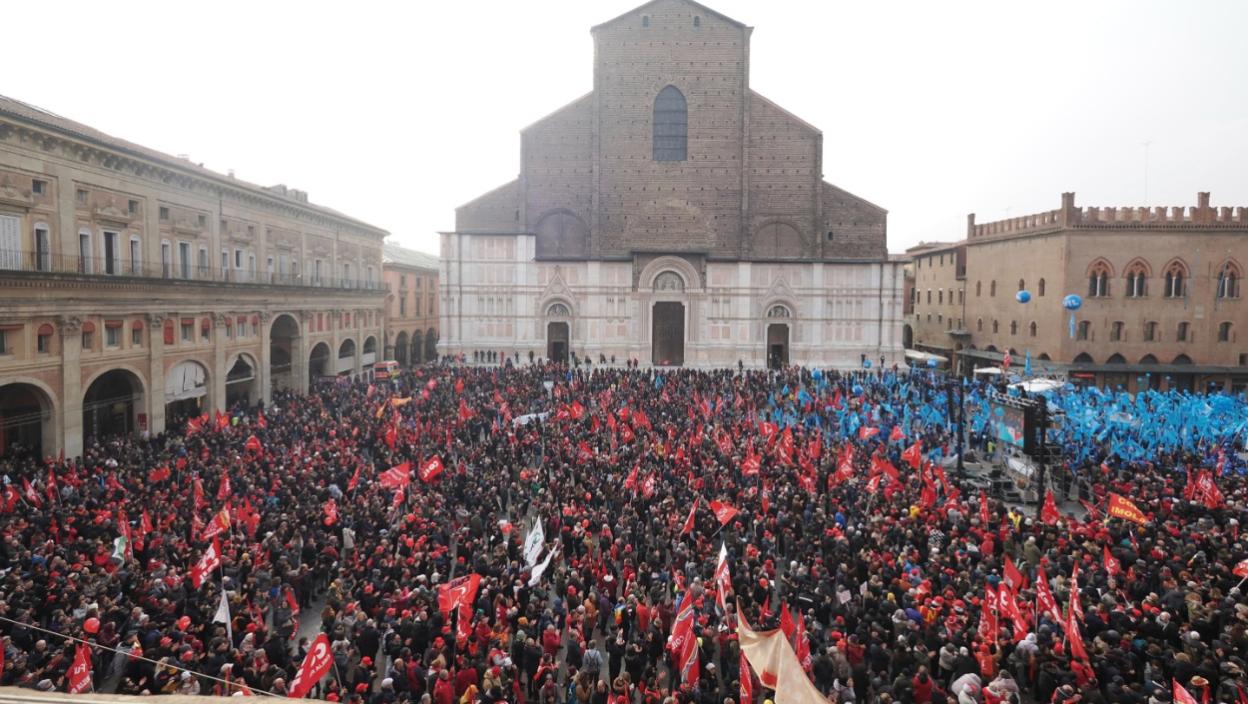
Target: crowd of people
x=347 y=511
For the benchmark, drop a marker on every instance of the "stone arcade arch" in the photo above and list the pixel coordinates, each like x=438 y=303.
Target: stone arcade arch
x=346 y=358
x=186 y=391
x=431 y=345
x=27 y=418
x=400 y=349
x=318 y=362
x=242 y=381
x=285 y=347
x=112 y=403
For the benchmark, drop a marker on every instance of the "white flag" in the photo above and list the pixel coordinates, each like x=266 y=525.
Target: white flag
x=537 y=571
x=533 y=543
x=223 y=615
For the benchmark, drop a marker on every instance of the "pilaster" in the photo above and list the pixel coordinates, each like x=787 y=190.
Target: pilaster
x=70 y=328
x=156 y=371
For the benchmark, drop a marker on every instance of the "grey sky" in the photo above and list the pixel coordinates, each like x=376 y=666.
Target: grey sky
x=398 y=112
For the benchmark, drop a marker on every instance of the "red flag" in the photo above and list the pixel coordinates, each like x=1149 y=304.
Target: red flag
x=896 y=434
x=291 y=601
x=1013 y=578
x=752 y=464
x=193 y=425
x=648 y=486
x=583 y=452
x=988 y=623
x=158 y=475
x=1046 y=603
x=984 y=515
x=1241 y=569
x=209 y=561
x=145 y=524
x=315 y=665
x=747 y=680
x=397 y=476
x=1180 y=694
x=464 y=411
x=458 y=592
x=1006 y=360
x=331 y=512
x=1077 y=650
x=1113 y=567
x=260 y=421
x=693 y=510
x=576 y=410
x=631 y=482
x=1207 y=491
x=867 y=432
x=1120 y=507
x=723 y=581
x=223 y=489
x=1074 y=605
x=723 y=512
x=198 y=493
x=431 y=468
x=253 y=444
x=785 y=446
x=219 y=524
x=1049 y=513
x=786 y=622
x=392 y=437
x=355 y=478
x=768 y=429
x=79 y=674
x=459 y=385
x=223 y=421
x=914 y=455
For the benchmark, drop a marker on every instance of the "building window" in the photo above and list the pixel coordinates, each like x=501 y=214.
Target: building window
x=133 y=207
x=229 y=329
x=80 y=195
x=1115 y=331
x=166 y=259
x=1013 y=327
x=43 y=248
x=136 y=336
x=184 y=259
x=961 y=298
x=1098 y=281
x=1022 y=284
x=979 y=325
x=88 y=339
x=205 y=330
x=929 y=296
x=1040 y=288
x=164 y=213
x=403 y=305
x=940 y=295
x=1175 y=275
x=1224 y=332
x=84 y=252
x=992 y=289
x=38 y=187
x=1137 y=281
x=671 y=125
x=1181 y=334
x=43 y=342
x=136 y=255
x=1228 y=281
x=188 y=331
x=995 y=327
x=978 y=286
x=697 y=21
x=1084 y=330
x=225 y=264
x=112 y=255
x=1031 y=329
x=829 y=235
x=203 y=262
x=203 y=221
x=645 y=20
x=1150 y=331
x=112 y=335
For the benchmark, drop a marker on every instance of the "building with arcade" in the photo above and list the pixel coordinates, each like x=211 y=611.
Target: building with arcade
x=672 y=215
x=138 y=288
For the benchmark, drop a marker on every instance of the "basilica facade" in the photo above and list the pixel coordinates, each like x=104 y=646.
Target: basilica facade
x=674 y=216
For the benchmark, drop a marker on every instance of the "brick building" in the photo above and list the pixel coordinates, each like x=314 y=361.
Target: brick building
x=411 y=304
x=137 y=288
x=1160 y=289
x=671 y=215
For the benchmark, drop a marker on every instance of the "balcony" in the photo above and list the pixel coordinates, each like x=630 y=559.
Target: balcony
x=45 y=263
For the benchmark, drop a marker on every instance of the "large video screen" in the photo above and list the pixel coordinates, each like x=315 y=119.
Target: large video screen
x=1008 y=424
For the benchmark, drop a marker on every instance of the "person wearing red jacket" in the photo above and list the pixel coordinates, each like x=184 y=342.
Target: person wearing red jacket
x=444 y=691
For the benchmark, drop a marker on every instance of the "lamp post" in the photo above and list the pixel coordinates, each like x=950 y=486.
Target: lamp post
x=961 y=418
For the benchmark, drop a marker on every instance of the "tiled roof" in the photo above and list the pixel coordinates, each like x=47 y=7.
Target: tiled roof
x=394 y=254
x=43 y=118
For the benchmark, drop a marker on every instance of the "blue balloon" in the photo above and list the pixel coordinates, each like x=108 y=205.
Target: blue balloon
x=1022 y=296
x=931 y=363
x=866 y=364
x=857 y=390
x=1072 y=302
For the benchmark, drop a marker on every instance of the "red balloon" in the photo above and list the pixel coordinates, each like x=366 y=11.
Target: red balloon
x=91 y=625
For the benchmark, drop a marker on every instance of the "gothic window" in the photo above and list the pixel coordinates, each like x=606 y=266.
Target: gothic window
x=779 y=312
x=669 y=281
x=1228 y=281
x=671 y=125
x=1176 y=274
x=1137 y=281
x=1098 y=280
x=558 y=310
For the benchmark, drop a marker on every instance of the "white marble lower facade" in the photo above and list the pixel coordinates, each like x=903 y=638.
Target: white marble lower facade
x=495 y=297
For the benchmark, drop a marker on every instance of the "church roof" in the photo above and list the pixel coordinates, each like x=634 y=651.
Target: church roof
x=690 y=3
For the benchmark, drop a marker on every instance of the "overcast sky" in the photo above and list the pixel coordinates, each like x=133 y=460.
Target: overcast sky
x=396 y=113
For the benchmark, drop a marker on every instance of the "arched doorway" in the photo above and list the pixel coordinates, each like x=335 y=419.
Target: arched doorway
x=778 y=336
x=186 y=389
x=318 y=362
x=240 y=382
x=400 y=349
x=112 y=404
x=283 y=346
x=431 y=345
x=418 y=349
x=667 y=319
x=27 y=420
x=346 y=357
x=907 y=336
x=557 y=340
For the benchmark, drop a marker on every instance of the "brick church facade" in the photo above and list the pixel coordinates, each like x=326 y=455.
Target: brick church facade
x=674 y=216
